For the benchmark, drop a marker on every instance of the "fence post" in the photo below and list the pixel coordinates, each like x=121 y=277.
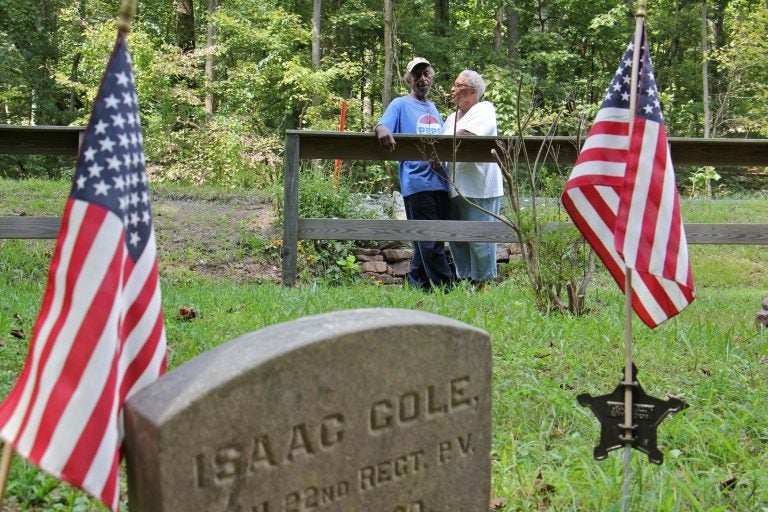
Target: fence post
x=291 y=208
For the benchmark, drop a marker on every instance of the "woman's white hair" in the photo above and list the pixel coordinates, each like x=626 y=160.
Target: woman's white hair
x=474 y=80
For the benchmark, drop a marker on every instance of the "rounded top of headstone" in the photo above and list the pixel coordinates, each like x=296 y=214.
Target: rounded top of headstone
x=174 y=390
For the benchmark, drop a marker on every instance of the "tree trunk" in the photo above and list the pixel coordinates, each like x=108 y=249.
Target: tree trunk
x=541 y=17
x=185 y=24
x=210 y=65
x=366 y=89
x=44 y=98
x=316 y=9
x=705 y=68
x=76 y=60
x=675 y=43
x=513 y=33
x=705 y=82
x=717 y=36
x=441 y=17
x=389 y=52
x=497 y=29
x=33 y=107
x=73 y=76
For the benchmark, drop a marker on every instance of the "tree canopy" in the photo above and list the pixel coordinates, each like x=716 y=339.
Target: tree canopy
x=219 y=82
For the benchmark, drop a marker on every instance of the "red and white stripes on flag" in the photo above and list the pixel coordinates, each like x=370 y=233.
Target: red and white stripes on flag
x=622 y=196
x=99 y=336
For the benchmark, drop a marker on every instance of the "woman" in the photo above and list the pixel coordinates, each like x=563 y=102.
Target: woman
x=479 y=182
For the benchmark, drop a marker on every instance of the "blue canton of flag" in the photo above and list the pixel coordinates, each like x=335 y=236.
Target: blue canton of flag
x=617 y=94
x=111 y=170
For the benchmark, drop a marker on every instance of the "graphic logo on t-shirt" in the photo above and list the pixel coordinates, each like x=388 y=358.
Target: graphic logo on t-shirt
x=428 y=125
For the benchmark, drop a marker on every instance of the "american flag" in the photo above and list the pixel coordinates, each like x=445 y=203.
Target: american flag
x=99 y=336
x=622 y=196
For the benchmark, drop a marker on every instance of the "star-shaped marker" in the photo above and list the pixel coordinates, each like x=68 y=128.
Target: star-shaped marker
x=647 y=413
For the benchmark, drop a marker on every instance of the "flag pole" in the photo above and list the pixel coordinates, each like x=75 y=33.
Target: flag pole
x=125 y=15
x=629 y=382
x=5 y=469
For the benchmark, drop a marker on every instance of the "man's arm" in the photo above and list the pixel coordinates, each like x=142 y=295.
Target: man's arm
x=386 y=139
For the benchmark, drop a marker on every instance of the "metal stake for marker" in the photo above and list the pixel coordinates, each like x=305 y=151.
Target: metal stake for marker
x=628 y=382
x=628 y=377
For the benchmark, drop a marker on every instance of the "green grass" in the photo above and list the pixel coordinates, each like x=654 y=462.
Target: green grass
x=712 y=356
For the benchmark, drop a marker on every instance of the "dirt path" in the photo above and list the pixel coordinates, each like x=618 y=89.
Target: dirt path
x=223 y=237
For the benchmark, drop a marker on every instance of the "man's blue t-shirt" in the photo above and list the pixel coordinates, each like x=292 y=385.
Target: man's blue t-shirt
x=406 y=114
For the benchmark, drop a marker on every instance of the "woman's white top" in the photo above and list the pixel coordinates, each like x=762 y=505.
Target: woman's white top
x=475 y=179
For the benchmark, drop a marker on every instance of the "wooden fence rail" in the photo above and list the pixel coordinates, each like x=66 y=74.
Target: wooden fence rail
x=304 y=145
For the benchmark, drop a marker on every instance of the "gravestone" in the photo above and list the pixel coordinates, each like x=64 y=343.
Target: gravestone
x=375 y=410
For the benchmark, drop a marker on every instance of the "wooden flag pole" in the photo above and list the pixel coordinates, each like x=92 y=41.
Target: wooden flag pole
x=5 y=469
x=126 y=14
x=629 y=383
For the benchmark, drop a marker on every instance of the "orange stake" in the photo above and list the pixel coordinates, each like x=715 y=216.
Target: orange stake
x=341 y=129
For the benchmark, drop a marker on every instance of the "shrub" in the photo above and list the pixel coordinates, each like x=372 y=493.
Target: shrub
x=216 y=154
x=330 y=261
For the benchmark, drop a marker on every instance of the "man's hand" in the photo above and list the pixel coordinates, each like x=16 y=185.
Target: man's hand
x=385 y=137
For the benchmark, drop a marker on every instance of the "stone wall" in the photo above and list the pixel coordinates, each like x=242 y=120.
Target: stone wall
x=389 y=266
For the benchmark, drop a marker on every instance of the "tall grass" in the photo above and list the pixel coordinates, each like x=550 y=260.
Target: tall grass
x=712 y=355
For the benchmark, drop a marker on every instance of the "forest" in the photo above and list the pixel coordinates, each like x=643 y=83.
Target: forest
x=220 y=80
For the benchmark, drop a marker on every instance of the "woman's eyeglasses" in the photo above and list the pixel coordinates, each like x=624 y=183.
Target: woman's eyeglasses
x=462 y=86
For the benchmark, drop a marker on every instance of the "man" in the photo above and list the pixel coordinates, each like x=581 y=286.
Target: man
x=422 y=183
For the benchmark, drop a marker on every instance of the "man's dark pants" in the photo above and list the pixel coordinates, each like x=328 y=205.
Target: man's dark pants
x=429 y=265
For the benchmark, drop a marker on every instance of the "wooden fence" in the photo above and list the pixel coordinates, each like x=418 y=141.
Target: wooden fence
x=304 y=145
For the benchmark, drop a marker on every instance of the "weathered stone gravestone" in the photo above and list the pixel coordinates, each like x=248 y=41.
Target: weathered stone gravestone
x=376 y=410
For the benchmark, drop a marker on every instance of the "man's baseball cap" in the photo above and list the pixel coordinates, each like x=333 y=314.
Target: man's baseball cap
x=415 y=62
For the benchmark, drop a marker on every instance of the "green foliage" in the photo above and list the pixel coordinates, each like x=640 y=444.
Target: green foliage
x=700 y=178
x=522 y=97
x=52 y=58
x=28 y=39
x=511 y=94
x=744 y=71
x=319 y=198
x=557 y=266
x=222 y=154
x=330 y=261
x=371 y=177
x=36 y=166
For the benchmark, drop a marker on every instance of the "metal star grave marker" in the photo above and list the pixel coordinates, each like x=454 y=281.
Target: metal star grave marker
x=647 y=413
